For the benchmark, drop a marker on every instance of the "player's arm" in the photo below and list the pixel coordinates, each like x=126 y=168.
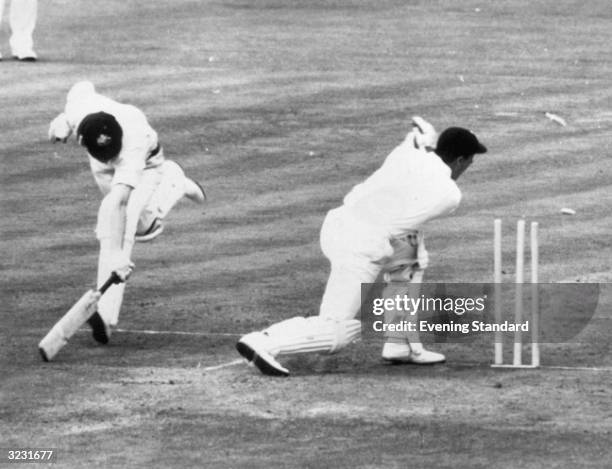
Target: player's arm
x=79 y=102
x=60 y=129
x=112 y=212
x=423 y=135
x=64 y=124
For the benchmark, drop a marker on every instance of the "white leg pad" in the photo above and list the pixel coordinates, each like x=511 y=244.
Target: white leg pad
x=312 y=334
x=403 y=275
x=110 y=303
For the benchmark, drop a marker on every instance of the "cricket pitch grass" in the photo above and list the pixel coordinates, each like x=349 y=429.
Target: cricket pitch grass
x=279 y=107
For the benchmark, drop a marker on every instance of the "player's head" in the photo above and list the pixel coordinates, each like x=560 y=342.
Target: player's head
x=101 y=134
x=456 y=147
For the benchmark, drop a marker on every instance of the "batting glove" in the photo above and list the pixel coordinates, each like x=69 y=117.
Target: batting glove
x=59 y=129
x=122 y=266
x=424 y=135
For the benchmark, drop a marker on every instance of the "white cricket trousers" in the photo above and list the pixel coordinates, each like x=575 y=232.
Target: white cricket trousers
x=22 y=20
x=356 y=253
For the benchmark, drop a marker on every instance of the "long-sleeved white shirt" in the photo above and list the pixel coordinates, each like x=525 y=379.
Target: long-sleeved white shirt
x=410 y=188
x=139 y=138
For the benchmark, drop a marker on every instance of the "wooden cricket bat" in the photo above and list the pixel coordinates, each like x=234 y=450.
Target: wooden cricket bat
x=70 y=322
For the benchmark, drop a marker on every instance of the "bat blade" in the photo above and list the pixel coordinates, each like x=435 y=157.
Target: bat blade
x=69 y=323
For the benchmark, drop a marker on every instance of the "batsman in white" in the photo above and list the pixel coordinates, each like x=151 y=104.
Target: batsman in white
x=140 y=186
x=376 y=234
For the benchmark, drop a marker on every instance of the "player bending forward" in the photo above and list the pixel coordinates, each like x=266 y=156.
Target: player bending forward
x=139 y=185
x=376 y=234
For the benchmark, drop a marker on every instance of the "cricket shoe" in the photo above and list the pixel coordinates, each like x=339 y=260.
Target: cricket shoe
x=252 y=347
x=153 y=232
x=402 y=353
x=194 y=191
x=100 y=331
x=27 y=55
x=28 y=58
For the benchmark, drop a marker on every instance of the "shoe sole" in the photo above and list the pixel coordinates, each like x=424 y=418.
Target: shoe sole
x=24 y=59
x=428 y=363
x=260 y=362
x=197 y=199
x=149 y=236
x=98 y=329
x=408 y=361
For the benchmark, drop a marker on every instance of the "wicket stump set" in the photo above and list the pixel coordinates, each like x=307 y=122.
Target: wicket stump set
x=517 y=361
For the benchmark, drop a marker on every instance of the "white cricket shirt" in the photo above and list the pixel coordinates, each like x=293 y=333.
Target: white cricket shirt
x=410 y=188
x=139 y=138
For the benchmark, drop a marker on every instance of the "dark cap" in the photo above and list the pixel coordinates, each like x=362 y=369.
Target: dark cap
x=456 y=141
x=101 y=134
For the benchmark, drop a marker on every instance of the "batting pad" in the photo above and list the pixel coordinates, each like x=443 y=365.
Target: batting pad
x=312 y=334
x=109 y=305
x=411 y=289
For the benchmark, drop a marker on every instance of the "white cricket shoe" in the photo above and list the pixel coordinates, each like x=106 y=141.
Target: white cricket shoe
x=178 y=180
x=402 y=353
x=25 y=55
x=253 y=347
x=194 y=191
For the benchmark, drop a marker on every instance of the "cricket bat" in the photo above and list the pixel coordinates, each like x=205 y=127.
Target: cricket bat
x=70 y=322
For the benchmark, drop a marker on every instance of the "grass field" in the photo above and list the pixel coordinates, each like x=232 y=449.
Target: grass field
x=279 y=107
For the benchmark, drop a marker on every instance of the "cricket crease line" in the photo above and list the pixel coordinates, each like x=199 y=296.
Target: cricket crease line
x=238 y=361
x=576 y=368
x=152 y=332
x=555 y=367
x=527 y=368
x=203 y=334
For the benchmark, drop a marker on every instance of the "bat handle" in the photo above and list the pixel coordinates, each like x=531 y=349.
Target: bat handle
x=114 y=278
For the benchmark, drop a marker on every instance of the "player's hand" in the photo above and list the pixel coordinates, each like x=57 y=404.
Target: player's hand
x=425 y=136
x=59 y=129
x=122 y=266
